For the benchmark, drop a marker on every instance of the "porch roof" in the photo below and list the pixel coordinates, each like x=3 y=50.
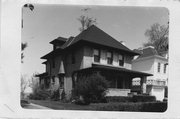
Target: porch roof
x=129 y=72
x=42 y=74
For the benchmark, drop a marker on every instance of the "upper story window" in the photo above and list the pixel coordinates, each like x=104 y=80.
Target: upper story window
x=159 y=67
x=96 y=55
x=165 y=68
x=109 y=57
x=121 y=60
x=73 y=59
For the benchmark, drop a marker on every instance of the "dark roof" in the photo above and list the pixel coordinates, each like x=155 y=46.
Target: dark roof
x=92 y=35
x=146 y=52
x=58 y=40
x=95 y=35
x=119 y=69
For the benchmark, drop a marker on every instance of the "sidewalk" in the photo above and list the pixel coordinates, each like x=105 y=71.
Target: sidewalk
x=35 y=106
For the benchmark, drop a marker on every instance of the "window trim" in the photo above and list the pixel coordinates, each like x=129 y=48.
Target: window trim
x=165 y=68
x=121 y=60
x=98 y=56
x=111 y=58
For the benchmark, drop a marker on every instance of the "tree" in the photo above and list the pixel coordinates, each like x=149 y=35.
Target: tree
x=86 y=21
x=158 y=37
x=24 y=85
x=23 y=46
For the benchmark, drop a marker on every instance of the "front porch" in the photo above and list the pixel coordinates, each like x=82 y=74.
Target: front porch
x=120 y=79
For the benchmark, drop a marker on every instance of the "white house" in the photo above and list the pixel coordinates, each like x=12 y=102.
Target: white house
x=150 y=62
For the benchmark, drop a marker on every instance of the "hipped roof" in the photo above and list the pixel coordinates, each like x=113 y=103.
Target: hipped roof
x=97 y=36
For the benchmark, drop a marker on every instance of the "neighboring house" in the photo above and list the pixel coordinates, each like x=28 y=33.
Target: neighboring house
x=150 y=62
x=92 y=51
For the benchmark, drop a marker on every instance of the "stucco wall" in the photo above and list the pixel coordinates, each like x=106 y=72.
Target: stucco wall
x=88 y=58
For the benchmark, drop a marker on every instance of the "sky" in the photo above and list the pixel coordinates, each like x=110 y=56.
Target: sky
x=47 y=22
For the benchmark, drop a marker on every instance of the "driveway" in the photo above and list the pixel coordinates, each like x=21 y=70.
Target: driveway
x=35 y=106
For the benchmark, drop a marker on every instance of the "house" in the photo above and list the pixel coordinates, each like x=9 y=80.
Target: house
x=92 y=51
x=157 y=64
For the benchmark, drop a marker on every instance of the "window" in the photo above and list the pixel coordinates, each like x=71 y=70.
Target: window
x=164 y=68
x=109 y=57
x=73 y=59
x=121 y=60
x=53 y=63
x=159 y=67
x=53 y=79
x=96 y=55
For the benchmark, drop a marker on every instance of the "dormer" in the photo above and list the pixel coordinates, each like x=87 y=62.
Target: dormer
x=58 y=42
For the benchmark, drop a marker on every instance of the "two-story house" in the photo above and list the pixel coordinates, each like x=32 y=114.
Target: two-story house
x=151 y=62
x=92 y=51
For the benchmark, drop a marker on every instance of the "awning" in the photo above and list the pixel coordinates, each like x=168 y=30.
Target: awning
x=99 y=67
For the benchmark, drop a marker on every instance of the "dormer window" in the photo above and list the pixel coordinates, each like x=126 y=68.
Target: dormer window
x=109 y=57
x=121 y=60
x=96 y=55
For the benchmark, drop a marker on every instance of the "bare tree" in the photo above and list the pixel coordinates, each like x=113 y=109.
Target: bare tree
x=86 y=21
x=24 y=85
x=158 y=37
x=24 y=45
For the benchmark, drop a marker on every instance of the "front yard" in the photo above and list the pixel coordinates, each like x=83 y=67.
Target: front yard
x=111 y=106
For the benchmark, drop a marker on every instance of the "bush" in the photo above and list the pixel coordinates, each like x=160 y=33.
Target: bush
x=143 y=98
x=91 y=88
x=138 y=107
x=55 y=95
x=39 y=95
x=118 y=99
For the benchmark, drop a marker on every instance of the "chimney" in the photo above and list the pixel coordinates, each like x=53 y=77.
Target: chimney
x=123 y=42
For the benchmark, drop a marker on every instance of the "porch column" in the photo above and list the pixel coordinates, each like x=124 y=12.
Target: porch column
x=143 y=84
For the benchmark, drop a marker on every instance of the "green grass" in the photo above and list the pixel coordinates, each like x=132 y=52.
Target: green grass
x=111 y=106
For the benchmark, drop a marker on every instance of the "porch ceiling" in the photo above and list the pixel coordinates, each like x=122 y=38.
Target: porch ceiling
x=98 y=67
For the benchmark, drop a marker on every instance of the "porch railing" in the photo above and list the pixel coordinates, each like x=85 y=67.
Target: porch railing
x=117 y=92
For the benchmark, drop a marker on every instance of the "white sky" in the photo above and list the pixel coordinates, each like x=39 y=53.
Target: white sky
x=45 y=23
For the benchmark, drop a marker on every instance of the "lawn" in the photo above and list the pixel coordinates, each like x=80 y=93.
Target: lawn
x=111 y=106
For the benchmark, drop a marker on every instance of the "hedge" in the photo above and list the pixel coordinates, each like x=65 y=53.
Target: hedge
x=143 y=98
x=118 y=99
x=135 y=98
x=138 y=107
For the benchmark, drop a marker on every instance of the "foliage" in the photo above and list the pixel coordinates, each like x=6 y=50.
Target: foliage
x=138 y=107
x=158 y=37
x=55 y=95
x=23 y=46
x=40 y=94
x=86 y=21
x=92 y=88
x=143 y=98
x=24 y=85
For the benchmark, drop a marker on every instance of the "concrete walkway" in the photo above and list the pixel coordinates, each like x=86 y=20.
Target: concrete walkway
x=35 y=106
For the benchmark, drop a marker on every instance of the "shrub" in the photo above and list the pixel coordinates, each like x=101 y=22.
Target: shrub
x=55 y=95
x=91 y=88
x=118 y=99
x=40 y=95
x=143 y=98
x=138 y=107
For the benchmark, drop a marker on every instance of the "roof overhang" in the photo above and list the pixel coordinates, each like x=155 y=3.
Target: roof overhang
x=42 y=74
x=132 y=73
